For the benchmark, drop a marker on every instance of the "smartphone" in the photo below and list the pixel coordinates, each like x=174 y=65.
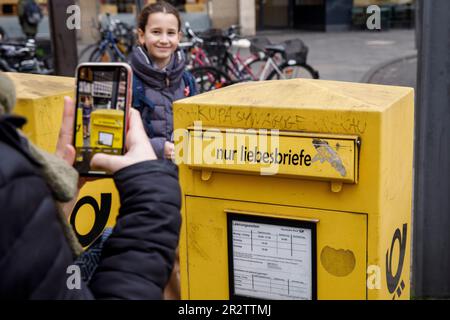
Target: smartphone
x=103 y=99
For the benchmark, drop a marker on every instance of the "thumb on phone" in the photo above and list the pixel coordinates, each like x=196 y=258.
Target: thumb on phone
x=108 y=163
x=138 y=148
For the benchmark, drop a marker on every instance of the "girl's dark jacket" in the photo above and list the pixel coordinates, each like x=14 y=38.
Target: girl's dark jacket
x=154 y=92
x=137 y=258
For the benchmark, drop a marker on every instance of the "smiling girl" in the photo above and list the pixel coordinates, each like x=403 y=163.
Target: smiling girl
x=159 y=76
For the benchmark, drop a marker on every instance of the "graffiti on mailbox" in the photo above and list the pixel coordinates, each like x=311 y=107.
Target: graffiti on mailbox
x=326 y=153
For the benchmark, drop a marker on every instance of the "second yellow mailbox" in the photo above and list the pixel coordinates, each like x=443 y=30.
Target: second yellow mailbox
x=297 y=189
x=107 y=128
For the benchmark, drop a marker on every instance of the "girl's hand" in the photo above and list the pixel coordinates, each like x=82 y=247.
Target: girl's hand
x=139 y=148
x=169 y=150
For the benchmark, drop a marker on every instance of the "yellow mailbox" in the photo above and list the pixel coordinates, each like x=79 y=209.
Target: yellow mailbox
x=40 y=99
x=296 y=189
x=107 y=128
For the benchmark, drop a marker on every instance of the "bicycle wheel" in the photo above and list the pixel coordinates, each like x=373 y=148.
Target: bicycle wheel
x=102 y=56
x=83 y=55
x=235 y=69
x=254 y=66
x=293 y=71
x=209 y=78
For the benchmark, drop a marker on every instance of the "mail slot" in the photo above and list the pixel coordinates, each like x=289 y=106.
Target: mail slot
x=296 y=189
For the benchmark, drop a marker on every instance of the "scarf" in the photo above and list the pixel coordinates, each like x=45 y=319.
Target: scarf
x=145 y=69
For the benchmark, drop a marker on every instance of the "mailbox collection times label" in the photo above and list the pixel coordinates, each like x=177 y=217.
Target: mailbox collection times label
x=271 y=262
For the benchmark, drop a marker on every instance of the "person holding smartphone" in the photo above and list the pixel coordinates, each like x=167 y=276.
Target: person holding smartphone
x=35 y=253
x=159 y=73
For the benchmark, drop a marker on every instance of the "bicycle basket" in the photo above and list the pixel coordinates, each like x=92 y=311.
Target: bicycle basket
x=295 y=50
x=258 y=44
x=211 y=34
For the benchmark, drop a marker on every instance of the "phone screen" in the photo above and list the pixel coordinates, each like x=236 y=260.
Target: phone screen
x=101 y=114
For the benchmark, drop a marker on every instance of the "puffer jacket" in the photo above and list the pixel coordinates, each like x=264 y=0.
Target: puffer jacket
x=137 y=259
x=154 y=92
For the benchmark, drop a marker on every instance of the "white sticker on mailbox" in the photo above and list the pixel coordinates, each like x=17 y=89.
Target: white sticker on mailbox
x=272 y=261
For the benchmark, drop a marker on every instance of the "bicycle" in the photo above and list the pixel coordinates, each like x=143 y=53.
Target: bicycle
x=116 y=42
x=206 y=55
x=218 y=46
x=210 y=78
x=201 y=64
x=267 y=61
x=283 y=61
x=195 y=55
x=22 y=57
x=214 y=65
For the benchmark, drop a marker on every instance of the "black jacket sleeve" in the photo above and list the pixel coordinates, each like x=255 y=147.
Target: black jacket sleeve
x=138 y=257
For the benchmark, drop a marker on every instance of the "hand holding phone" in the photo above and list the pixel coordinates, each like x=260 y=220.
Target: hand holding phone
x=138 y=148
x=103 y=99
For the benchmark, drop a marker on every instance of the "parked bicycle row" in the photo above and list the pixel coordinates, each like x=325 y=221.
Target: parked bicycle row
x=216 y=58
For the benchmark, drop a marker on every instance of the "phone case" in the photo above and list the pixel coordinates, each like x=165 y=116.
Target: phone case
x=96 y=122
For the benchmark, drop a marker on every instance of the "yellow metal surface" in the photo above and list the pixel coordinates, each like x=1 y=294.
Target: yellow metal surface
x=41 y=100
x=108 y=122
x=341 y=260
x=370 y=218
x=311 y=157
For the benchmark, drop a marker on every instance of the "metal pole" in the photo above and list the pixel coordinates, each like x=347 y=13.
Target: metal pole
x=431 y=268
x=417 y=22
x=64 y=41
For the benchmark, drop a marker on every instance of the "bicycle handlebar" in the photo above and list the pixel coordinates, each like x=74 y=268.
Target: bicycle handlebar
x=192 y=34
x=231 y=34
x=232 y=31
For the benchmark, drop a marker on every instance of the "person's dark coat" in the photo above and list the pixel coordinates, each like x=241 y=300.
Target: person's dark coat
x=154 y=93
x=137 y=258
